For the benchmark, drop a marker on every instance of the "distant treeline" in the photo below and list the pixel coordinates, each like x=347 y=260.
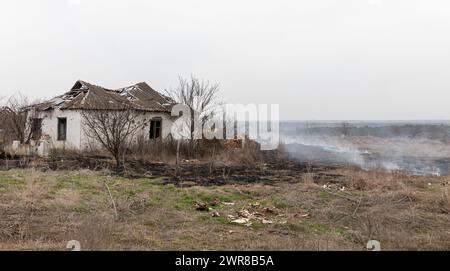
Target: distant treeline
x=429 y=131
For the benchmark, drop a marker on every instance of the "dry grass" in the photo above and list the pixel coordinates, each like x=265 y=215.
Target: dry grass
x=215 y=151
x=44 y=210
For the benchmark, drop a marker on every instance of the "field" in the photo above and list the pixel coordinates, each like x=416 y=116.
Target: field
x=319 y=209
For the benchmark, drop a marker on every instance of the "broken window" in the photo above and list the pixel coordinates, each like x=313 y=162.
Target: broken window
x=62 y=128
x=36 y=128
x=155 y=128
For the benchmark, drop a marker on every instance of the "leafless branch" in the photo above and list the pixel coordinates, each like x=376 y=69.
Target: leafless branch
x=113 y=129
x=15 y=118
x=199 y=96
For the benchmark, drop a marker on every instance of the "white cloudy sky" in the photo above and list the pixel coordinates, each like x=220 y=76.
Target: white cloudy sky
x=319 y=59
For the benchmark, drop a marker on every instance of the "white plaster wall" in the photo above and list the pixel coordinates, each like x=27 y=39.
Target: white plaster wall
x=166 y=123
x=50 y=128
x=76 y=137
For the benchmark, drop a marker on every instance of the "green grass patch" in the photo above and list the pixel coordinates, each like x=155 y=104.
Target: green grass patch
x=82 y=208
x=14 y=180
x=280 y=203
x=315 y=227
x=207 y=218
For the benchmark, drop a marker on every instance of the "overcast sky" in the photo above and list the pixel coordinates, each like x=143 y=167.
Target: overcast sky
x=319 y=59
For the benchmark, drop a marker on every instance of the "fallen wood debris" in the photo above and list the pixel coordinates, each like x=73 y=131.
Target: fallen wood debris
x=199 y=206
x=215 y=214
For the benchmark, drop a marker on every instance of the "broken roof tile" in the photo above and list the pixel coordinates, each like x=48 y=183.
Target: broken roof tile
x=87 y=96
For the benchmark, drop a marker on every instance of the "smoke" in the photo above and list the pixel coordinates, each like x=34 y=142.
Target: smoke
x=417 y=156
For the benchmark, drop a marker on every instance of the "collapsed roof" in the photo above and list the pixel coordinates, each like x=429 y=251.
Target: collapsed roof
x=87 y=96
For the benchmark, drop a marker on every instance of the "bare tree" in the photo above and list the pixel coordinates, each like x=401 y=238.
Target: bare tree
x=199 y=96
x=16 y=121
x=113 y=129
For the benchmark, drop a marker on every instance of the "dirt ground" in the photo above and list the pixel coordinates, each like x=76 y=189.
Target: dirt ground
x=276 y=205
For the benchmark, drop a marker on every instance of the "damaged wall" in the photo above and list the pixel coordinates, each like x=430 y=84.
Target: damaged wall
x=77 y=139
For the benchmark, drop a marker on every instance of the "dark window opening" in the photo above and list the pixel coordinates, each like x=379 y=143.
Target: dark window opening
x=36 y=128
x=155 y=128
x=62 y=128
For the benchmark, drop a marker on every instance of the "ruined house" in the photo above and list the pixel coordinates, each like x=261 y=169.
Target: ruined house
x=59 y=121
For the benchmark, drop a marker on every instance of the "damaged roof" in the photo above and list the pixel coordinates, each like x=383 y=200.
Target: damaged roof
x=87 y=96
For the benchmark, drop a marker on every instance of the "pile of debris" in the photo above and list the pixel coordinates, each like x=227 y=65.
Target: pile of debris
x=253 y=213
x=246 y=217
